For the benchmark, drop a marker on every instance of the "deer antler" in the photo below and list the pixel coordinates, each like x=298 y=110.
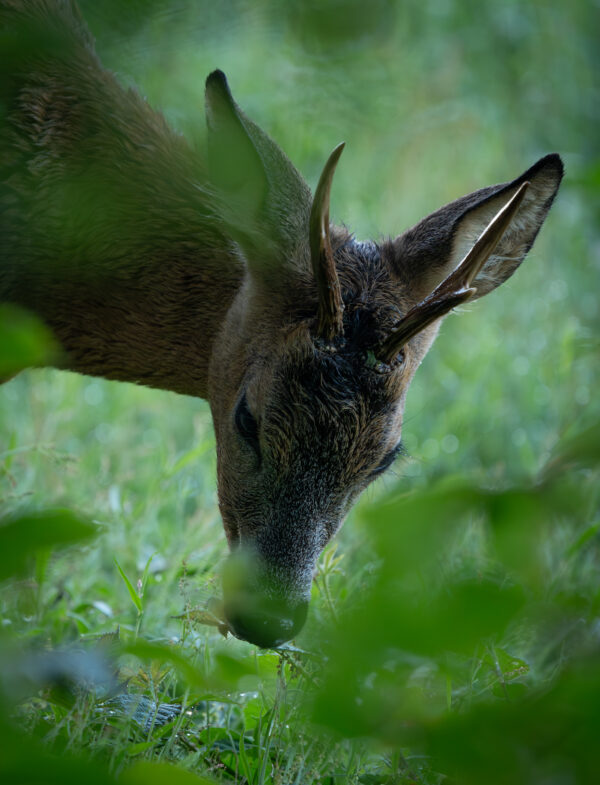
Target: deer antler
x=455 y=289
x=331 y=306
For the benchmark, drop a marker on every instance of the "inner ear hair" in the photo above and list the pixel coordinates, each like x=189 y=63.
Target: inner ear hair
x=426 y=254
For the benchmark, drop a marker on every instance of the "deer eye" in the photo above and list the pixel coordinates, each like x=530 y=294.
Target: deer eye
x=388 y=460
x=246 y=424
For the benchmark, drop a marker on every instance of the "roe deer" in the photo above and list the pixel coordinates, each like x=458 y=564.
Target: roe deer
x=225 y=280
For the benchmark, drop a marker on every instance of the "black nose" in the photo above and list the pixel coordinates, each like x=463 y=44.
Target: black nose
x=266 y=626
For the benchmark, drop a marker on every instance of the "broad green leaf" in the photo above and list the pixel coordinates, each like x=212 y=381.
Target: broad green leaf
x=549 y=736
x=150 y=773
x=231 y=669
x=24 y=534
x=23 y=761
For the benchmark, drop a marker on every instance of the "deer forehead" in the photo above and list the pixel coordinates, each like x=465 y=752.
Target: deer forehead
x=302 y=392
x=326 y=403
x=276 y=314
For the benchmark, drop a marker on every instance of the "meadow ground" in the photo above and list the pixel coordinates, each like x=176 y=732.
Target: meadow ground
x=454 y=628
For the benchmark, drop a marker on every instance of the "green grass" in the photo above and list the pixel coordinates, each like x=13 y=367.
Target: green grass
x=453 y=633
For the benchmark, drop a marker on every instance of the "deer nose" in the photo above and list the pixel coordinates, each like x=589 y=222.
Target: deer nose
x=264 y=602
x=267 y=625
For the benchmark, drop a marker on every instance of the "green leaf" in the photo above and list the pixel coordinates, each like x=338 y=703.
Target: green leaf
x=24 y=761
x=146 y=573
x=23 y=535
x=511 y=667
x=247 y=768
x=24 y=341
x=580 y=449
x=137 y=749
x=231 y=669
x=587 y=536
x=190 y=457
x=509 y=691
x=550 y=735
x=254 y=709
x=146 y=650
x=147 y=773
x=135 y=598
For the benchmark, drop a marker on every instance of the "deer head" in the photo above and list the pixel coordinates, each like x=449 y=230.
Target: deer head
x=309 y=373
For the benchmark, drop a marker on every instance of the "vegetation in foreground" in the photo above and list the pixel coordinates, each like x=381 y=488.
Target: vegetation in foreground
x=453 y=634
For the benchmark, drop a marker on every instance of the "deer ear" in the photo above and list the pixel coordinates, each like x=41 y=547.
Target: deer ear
x=426 y=254
x=235 y=165
x=263 y=199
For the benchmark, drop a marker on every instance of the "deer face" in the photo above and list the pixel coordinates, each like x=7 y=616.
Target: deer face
x=301 y=432
x=309 y=374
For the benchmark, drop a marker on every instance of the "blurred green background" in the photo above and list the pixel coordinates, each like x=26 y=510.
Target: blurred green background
x=434 y=99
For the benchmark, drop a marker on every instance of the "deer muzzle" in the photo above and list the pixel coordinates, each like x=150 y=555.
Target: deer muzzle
x=263 y=604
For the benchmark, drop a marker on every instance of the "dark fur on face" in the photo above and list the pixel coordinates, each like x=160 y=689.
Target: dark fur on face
x=326 y=422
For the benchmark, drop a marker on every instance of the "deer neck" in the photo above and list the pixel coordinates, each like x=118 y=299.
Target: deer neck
x=110 y=236
x=151 y=320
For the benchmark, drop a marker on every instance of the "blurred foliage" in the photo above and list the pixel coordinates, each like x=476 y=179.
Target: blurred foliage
x=454 y=634
x=25 y=341
x=27 y=534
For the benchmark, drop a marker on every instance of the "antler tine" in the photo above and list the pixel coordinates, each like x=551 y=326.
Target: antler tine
x=456 y=288
x=331 y=306
x=417 y=319
x=471 y=265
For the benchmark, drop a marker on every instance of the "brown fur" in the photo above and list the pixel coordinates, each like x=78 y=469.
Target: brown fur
x=151 y=269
